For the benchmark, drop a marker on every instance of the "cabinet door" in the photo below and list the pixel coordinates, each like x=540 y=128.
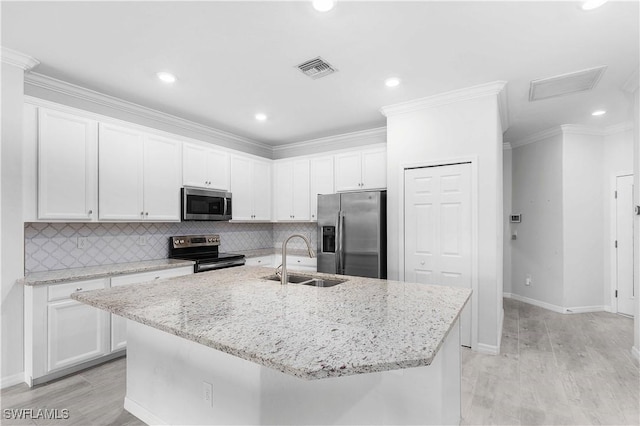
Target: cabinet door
x=194 y=166
x=162 y=172
x=261 y=190
x=218 y=170
x=120 y=170
x=283 y=190
x=75 y=332
x=300 y=193
x=348 y=169
x=321 y=181
x=374 y=169
x=242 y=188
x=67 y=166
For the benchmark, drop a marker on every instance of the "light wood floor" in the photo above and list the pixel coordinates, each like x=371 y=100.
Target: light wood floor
x=553 y=369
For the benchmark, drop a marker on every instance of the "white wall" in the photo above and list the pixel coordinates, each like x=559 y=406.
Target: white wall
x=537 y=195
x=11 y=225
x=440 y=134
x=507 y=160
x=617 y=158
x=583 y=220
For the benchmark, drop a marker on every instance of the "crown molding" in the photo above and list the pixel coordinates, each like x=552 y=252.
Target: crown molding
x=574 y=129
x=78 y=92
x=503 y=106
x=488 y=89
x=631 y=85
x=578 y=129
x=18 y=59
x=537 y=137
x=376 y=135
x=506 y=145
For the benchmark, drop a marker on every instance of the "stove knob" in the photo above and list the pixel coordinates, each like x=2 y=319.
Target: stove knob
x=181 y=242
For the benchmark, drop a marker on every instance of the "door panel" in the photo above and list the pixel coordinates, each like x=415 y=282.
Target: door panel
x=624 y=252
x=438 y=230
x=161 y=179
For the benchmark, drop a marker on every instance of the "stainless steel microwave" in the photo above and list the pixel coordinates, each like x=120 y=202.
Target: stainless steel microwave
x=205 y=204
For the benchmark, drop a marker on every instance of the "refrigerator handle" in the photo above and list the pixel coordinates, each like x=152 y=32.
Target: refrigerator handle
x=338 y=239
x=340 y=242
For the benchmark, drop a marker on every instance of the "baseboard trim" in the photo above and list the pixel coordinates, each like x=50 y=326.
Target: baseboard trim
x=608 y=308
x=15 y=379
x=141 y=413
x=556 y=308
x=534 y=302
x=483 y=348
x=636 y=353
x=584 y=309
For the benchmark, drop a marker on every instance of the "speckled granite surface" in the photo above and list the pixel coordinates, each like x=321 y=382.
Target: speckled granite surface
x=90 y=272
x=360 y=326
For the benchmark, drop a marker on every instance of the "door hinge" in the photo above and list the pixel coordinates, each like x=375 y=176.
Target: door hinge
x=616 y=293
x=615 y=194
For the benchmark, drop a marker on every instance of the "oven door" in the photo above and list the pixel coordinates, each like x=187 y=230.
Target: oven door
x=203 y=204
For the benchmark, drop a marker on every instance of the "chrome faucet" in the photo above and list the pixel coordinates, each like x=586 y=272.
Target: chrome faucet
x=284 y=277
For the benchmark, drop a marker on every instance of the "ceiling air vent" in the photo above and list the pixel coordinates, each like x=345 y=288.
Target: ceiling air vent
x=565 y=84
x=316 y=68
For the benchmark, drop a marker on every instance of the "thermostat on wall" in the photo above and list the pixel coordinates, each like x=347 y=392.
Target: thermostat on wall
x=516 y=218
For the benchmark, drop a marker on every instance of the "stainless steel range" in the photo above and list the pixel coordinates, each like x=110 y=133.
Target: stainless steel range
x=203 y=249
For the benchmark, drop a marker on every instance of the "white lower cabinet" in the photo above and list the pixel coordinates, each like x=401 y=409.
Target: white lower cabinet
x=63 y=335
x=298 y=263
x=75 y=332
x=260 y=261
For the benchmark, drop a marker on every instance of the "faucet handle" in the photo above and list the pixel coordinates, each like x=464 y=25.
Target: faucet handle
x=279 y=270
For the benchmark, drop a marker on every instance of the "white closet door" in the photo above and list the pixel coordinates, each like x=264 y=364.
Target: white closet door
x=624 y=251
x=437 y=232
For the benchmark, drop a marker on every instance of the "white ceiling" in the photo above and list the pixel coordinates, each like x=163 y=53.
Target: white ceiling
x=234 y=59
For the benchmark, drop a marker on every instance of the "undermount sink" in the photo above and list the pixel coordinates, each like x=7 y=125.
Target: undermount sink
x=307 y=280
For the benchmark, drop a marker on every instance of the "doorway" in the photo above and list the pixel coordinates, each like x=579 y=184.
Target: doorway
x=623 y=245
x=437 y=230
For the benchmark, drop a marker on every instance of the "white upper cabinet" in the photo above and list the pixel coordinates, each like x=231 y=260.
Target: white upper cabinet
x=251 y=189
x=161 y=179
x=321 y=181
x=360 y=170
x=67 y=166
x=291 y=179
x=205 y=168
x=139 y=175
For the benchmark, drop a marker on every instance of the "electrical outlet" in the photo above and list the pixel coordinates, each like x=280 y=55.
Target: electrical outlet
x=528 y=280
x=142 y=240
x=207 y=394
x=82 y=242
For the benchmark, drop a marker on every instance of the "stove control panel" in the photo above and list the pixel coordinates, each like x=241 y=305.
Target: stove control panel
x=195 y=241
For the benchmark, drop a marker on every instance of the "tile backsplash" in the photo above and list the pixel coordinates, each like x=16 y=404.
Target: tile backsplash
x=50 y=246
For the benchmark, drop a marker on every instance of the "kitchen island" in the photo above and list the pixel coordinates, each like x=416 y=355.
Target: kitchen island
x=366 y=351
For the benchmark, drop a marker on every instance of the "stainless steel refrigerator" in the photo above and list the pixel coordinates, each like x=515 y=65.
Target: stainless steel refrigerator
x=352 y=234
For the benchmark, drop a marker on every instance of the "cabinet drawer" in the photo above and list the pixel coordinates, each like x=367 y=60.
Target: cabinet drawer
x=151 y=276
x=63 y=291
x=259 y=261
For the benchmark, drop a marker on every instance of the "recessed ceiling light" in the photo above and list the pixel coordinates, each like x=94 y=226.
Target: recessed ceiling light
x=392 y=82
x=261 y=117
x=323 y=5
x=166 y=77
x=592 y=4
x=598 y=112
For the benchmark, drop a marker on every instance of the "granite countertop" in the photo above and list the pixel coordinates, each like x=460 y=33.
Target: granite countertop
x=91 y=272
x=360 y=326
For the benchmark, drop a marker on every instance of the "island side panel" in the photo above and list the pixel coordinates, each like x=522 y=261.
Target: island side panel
x=165 y=376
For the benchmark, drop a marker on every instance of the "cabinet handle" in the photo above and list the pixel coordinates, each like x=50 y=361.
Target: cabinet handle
x=79 y=289
x=156 y=278
x=90 y=212
x=141 y=213
x=146 y=213
x=313 y=215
